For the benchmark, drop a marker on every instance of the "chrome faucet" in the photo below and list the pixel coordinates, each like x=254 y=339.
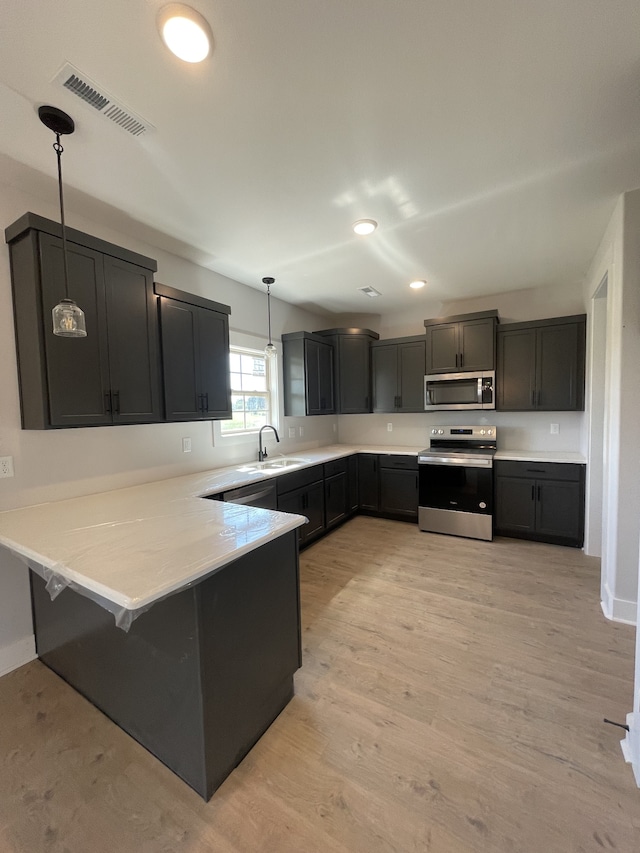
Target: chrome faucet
x=262 y=454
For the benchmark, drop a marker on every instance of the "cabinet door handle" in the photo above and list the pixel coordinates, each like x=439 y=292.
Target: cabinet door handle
x=205 y=407
x=533 y=493
x=107 y=402
x=538 y=394
x=456 y=359
x=461 y=359
x=366 y=403
x=538 y=494
x=533 y=398
x=116 y=402
x=399 y=403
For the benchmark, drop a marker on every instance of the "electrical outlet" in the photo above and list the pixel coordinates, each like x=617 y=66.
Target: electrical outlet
x=555 y=429
x=6 y=466
x=292 y=432
x=186 y=445
x=301 y=431
x=335 y=427
x=389 y=427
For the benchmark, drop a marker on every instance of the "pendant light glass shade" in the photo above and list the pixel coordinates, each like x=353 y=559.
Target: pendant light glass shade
x=68 y=318
x=270 y=351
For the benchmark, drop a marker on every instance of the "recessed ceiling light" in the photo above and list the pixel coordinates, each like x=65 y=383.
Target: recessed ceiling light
x=185 y=32
x=417 y=284
x=365 y=226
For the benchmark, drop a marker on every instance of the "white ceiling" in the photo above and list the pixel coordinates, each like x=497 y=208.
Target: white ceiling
x=489 y=138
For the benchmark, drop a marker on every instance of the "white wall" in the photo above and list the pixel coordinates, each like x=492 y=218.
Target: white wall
x=517 y=430
x=516 y=306
x=58 y=464
x=614 y=461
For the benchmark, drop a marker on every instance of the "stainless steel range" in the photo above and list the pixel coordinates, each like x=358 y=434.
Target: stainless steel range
x=456 y=481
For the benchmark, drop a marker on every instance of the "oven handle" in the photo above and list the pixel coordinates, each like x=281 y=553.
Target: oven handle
x=452 y=460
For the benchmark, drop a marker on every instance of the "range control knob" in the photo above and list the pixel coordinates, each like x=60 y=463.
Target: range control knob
x=482 y=431
x=434 y=432
x=482 y=505
x=440 y=432
x=489 y=432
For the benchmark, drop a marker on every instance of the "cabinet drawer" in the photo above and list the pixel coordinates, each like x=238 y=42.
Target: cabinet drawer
x=299 y=479
x=336 y=466
x=539 y=470
x=406 y=463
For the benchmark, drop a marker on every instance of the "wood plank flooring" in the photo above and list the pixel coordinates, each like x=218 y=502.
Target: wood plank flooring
x=451 y=700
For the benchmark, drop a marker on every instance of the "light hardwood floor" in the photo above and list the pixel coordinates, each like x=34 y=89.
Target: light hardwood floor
x=451 y=700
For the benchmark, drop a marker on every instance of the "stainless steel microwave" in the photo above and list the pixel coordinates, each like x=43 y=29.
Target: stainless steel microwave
x=460 y=391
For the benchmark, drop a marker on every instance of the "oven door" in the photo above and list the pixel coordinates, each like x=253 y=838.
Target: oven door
x=457 y=487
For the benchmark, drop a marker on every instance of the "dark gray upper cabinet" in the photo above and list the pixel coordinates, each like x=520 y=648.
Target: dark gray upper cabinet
x=113 y=375
x=195 y=356
x=463 y=342
x=398 y=367
x=307 y=364
x=541 y=365
x=351 y=368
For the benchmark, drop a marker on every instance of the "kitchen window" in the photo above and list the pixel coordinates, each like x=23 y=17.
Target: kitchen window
x=252 y=394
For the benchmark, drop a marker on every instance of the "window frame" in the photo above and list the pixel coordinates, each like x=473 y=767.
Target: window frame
x=271 y=374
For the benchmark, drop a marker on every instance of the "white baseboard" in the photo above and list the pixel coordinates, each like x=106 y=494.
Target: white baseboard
x=17 y=654
x=619 y=609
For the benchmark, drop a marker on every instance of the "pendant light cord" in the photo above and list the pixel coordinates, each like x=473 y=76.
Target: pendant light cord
x=269 y=311
x=57 y=147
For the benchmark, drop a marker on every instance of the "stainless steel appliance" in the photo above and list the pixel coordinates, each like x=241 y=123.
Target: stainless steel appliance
x=455 y=481
x=460 y=391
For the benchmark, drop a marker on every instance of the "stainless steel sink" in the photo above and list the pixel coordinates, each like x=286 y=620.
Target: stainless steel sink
x=277 y=462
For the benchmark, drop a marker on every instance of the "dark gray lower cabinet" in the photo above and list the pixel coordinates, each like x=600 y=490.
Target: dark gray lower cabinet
x=368 y=482
x=336 y=491
x=302 y=492
x=200 y=676
x=541 y=501
x=388 y=485
x=399 y=487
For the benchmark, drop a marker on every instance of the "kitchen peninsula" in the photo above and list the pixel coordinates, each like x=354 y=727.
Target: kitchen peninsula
x=207 y=593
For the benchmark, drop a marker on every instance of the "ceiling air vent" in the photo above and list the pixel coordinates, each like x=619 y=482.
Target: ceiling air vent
x=370 y=291
x=80 y=85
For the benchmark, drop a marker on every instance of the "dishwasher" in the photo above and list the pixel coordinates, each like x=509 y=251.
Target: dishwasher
x=262 y=495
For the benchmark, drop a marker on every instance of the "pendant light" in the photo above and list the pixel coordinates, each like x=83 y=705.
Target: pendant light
x=68 y=318
x=270 y=349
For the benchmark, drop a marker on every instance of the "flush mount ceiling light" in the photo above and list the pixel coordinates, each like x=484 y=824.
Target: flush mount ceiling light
x=417 y=284
x=185 y=32
x=68 y=318
x=365 y=226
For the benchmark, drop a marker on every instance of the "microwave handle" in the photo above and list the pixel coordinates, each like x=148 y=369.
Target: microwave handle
x=428 y=397
x=479 y=395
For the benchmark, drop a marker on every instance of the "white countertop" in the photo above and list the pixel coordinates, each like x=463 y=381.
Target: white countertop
x=566 y=456
x=130 y=547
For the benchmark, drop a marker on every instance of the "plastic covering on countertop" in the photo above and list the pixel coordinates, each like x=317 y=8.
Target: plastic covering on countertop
x=55 y=584
x=144 y=545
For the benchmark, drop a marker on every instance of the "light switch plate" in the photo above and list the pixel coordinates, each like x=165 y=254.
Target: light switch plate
x=389 y=427
x=555 y=429
x=292 y=432
x=186 y=445
x=301 y=431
